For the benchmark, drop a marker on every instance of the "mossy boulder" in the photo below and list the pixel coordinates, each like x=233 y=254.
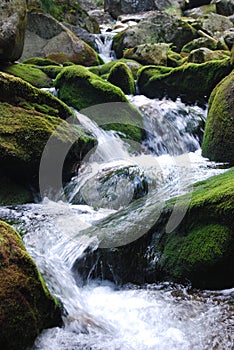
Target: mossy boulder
x=149 y=54
x=17 y=92
x=121 y=76
x=26 y=305
x=39 y=61
x=51 y=71
x=198 y=249
x=204 y=55
x=192 y=82
x=24 y=135
x=29 y=73
x=103 y=102
x=208 y=42
x=218 y=142
x=104 y=69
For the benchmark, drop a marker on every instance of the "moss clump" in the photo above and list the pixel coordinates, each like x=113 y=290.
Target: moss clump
x=24 y=135
x=218 y=141
x=121 y=76
x=19 y=93
x=29 y=73
x=201 y=248
x=14 y=193
x=26 y=306
x=39 y=61
x=191 y=81
x=51 y=71
x=104 y=69
x=100 y=100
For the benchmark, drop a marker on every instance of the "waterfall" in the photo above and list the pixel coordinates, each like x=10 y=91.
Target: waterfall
x=104 y=46
x=99 y=212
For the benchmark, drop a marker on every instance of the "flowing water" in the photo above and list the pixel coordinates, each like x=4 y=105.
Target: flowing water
x=99 y=211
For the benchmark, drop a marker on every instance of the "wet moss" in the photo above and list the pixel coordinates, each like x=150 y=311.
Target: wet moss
x=19 y=93
x=51 y=71
x=26 y=305
x=39 y=61
x=218 y=142
x=104 y=69
x=28 y=73
x=190 y=81
x=100 y=100
x=121 y=76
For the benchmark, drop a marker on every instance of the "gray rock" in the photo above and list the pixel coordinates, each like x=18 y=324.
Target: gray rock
x=46 y=37
x=12 y=29
x=155 y=54
x=215 y=24
x=156 y=27
x=204 y=54
x=224 y=7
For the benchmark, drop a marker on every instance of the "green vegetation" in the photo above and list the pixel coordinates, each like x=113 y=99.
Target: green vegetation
x=51 y=71
x=104 y=70
x=218 y=141
x=121 y=76
x=100 y=100
x=38 y=61
x=29 y=73
x=26 y=306
x=14 y=193
x=191 y=81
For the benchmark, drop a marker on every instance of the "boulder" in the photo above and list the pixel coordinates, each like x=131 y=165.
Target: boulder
x=12 y=29
x=100 y=100
x=224 y=7
x=104 y=69
x=218 y=143
x=197 y=12
x=26 y=305
x=215 y=24
x=46 y=37
x=200 y=250
x=119 y=7
x=209 y=43
x=155 y=54
x=228 y=37
x=192 y=82
x=156 y=27
x=121 y=76
x=204 y=55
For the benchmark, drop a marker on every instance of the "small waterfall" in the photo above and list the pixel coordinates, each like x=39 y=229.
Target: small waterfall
x=104 y=46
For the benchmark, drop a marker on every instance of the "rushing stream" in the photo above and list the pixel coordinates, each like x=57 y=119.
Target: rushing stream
x=101 y=315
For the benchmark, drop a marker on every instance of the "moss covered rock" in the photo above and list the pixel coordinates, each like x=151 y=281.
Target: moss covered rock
x=149 y=54
x=121 y=76
x=204 y=55
x=26 y=306
x=104 y=69
x=29 y=73
x=200 y=249
x=190 y=81
x=12 y=193
x=100 y=100
x=218 y=142
x=39 y=61
x=24 y=135
x=19 y=93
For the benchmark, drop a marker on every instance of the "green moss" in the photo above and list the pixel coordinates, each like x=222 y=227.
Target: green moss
x=121 y=76
x=100 y=100
x=29 y=73
x=38 y=61
x=191 y=81
x=18 y=92
x=218 y=141
x=67 y=64
x=105 y=68
x=174 y=59
x=26 y=306
x=51 y=71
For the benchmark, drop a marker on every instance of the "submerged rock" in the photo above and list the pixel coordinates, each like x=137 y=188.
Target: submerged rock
x=12 y=29
x=200 y=249
x=218 y=142
x=192 y=82
x=26 y=305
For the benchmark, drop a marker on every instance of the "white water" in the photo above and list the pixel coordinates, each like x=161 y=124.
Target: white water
x=100 y=315
x=104 y=46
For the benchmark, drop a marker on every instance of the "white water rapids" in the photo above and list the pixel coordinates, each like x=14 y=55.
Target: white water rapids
x=101 y=315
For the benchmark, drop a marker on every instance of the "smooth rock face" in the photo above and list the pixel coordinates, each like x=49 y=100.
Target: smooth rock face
x=12 y=29
x=45 y=36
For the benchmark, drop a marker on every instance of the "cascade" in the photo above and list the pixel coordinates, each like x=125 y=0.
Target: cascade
x=104 y=46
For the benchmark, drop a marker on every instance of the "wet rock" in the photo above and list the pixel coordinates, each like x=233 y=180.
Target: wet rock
x=26 y=305
x=121 y=76
x=218 y=141
x=224 y=7
x=204 y=55
x=12 y=29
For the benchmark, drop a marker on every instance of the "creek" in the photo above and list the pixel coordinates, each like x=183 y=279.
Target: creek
x=116 y=197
